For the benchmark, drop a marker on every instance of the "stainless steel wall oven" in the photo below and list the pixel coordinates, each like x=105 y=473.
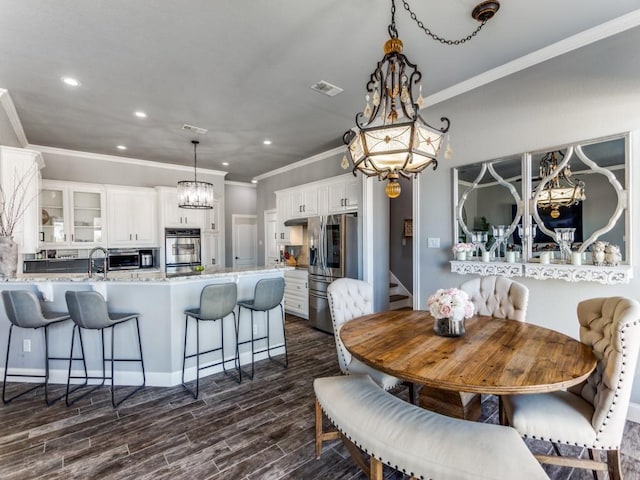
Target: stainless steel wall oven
x=182 y=250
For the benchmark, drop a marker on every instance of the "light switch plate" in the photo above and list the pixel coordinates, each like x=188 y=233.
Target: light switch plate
x=433 y=242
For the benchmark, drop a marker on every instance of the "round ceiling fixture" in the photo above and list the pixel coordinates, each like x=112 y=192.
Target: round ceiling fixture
x=485 y=11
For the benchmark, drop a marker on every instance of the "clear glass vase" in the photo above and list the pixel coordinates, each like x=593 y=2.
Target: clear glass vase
x=449 y=326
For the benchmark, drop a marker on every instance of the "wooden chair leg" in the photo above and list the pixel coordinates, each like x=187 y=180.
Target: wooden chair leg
x=321 y=436
x=375 y=469
x=592 y=456
x=318 y=430
x=613 y=461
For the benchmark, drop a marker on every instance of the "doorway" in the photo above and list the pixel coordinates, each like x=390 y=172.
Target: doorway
x=244 y=229
x=401 y=262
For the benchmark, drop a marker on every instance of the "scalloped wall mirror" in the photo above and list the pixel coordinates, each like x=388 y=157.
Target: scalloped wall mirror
x=560 y=200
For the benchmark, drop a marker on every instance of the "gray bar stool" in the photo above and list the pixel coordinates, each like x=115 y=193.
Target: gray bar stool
x=24 y=310
x=89 y=311
x=268 y=295
x=216 y=303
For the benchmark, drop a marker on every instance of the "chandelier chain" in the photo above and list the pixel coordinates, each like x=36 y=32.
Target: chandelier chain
x=434 y=35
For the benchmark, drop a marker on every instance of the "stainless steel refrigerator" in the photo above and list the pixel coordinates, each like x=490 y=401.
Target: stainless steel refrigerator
x=333 y=244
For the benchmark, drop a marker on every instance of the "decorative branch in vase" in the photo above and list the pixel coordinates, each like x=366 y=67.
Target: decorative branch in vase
x=15 y=200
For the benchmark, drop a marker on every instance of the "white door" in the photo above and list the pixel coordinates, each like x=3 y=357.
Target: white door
x=245 y=241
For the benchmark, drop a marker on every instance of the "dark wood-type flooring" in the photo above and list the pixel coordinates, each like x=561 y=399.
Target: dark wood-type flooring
x=261 y=429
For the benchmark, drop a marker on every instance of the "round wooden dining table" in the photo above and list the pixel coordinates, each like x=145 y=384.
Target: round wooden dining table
x=494 y=356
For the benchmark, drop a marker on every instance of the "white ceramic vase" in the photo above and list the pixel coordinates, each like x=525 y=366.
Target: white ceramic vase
x=461 y=256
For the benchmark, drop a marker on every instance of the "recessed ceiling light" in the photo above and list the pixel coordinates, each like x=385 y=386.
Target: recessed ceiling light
x=267 y=142
x=254 y=181
x=71 y=81
x=121 y=147
x=140 y=114
x=225 y=164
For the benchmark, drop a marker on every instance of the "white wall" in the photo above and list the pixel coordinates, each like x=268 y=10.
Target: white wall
x=589 y=93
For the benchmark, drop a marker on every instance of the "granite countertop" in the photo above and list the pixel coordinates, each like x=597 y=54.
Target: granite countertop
x=145 y=275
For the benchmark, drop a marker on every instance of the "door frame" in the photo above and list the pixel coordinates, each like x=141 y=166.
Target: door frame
x=237 y=216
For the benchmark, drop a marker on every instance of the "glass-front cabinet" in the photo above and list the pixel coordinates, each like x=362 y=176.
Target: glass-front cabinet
x=71 y=215
x=561 y=213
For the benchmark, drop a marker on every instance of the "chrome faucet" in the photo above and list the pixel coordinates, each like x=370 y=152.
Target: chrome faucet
x=91 y=264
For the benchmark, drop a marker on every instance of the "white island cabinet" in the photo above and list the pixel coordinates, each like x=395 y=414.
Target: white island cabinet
x=296 y=292
x=161 y=303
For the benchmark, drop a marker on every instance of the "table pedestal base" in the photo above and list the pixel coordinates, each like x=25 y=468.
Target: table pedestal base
x=463 y=405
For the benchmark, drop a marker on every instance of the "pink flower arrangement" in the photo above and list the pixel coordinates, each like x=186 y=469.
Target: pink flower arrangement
x=451 y=302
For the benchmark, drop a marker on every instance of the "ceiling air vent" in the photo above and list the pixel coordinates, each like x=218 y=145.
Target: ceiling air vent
x=191 y=128
x=326 y=88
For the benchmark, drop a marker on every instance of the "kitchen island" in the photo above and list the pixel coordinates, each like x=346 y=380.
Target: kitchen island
x=161 y=302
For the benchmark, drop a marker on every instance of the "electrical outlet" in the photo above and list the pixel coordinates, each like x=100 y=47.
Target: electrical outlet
x=255 y=329
x=433 y=242
x=26 y=345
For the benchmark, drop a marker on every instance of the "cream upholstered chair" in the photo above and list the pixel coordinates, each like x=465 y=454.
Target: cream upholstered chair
x=590 y=415
x=348 y=299
x=495 y=296
x=498 y=296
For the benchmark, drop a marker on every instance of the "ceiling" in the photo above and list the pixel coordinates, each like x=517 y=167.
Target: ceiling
x=243 y=69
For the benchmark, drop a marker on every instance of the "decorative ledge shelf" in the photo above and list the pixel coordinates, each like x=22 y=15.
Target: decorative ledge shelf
x=554 y=271
x=487 y=268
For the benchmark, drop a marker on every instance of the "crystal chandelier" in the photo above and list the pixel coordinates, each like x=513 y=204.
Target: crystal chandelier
x=195 y=194
x=391 y=138
x=559 y=191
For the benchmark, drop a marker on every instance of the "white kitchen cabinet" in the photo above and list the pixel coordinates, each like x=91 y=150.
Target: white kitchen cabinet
x=304 y=202
x=344 y=194
x=271 y=251
x=20 y=185
x=133 y=219
x=212 y=218
x=283 y=213
x=212 y=250
x=72 y=215
x=296 y=292
x=173 y=216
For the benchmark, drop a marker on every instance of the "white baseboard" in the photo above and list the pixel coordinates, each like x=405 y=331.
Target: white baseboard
x=134 y=377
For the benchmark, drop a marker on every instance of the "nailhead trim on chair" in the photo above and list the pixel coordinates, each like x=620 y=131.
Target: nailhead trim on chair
x=366 y=451
x=609 y=412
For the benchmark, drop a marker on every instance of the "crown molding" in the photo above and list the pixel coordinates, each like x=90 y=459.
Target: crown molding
x=302 y=163
x=125 y=160
x=12 y=115
x=240 y=184
x=581 y=39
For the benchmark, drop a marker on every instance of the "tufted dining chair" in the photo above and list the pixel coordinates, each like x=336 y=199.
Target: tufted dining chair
x=498 y=297
x=592 y=414
x=348 y=299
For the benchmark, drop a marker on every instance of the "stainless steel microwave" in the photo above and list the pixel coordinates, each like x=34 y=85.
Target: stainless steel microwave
x=123 y=259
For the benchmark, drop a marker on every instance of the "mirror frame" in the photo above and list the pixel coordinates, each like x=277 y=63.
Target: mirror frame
x=527 y=211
